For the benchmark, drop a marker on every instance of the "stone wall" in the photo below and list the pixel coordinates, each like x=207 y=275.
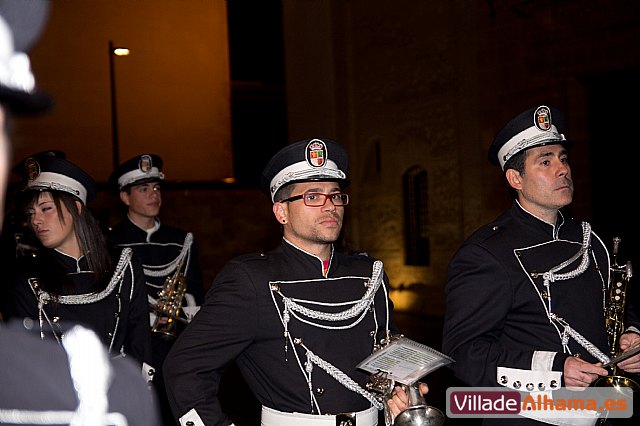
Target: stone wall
x=426 y=83
x=429 y=84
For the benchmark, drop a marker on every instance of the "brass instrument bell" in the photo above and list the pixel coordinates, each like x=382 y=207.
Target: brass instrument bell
x=418 y=413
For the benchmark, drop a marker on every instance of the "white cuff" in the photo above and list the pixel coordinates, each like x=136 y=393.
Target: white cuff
x=191 y=419
x=542 y=360
x=528 y=380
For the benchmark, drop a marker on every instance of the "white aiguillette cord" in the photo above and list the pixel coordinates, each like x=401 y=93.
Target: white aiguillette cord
x=358 y=309
x=551 y=276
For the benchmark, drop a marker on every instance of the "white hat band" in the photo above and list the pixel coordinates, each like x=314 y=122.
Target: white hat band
x=59 y=182
x=527 y=138
x=301 y=171
x=136 y=175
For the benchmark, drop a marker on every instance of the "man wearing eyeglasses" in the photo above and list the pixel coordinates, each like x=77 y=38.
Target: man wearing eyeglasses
x=296 y=320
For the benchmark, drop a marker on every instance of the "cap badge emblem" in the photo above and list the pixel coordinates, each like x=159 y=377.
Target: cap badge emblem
x=542 y=118
x=145 y=164
x=32 y=168
x=316 y=154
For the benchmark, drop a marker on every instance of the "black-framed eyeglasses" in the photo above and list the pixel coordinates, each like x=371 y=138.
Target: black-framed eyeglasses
x=318 y=199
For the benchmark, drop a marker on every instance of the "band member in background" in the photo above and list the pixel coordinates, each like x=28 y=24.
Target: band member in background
x=76 y=277
x=296 y=320
x=521 y=286
x=44 y=382
x=167 y=254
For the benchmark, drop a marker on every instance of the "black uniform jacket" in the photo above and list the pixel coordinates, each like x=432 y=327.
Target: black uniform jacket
x=240 y=321
x=158 y=249
x=496 y=303
x=36 y=377
x=119 y=315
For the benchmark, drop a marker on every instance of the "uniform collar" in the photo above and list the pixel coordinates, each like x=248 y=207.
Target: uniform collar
x=149 y=232
x=70 y=262
x=538 y=223
x=317 y=262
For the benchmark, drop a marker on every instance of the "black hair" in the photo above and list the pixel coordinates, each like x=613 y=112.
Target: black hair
x=516 y=162
x=284 y=192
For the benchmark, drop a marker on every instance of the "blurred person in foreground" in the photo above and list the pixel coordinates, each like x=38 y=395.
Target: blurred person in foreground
x=44 y=383
x=525 y=294
x=296 y=320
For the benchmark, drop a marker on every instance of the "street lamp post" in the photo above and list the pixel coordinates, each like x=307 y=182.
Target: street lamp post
x=114 y=51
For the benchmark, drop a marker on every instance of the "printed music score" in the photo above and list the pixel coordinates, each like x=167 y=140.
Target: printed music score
x=405 y=360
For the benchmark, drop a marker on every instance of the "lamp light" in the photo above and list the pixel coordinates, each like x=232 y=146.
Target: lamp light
x=115 y=51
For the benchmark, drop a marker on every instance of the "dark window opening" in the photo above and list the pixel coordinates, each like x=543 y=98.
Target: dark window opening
x=416 y=216
x=258 y=104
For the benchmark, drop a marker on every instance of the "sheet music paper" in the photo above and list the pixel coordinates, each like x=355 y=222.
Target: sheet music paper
x=405 y=360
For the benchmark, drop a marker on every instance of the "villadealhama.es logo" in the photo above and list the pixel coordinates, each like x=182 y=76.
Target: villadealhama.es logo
x=562 y=403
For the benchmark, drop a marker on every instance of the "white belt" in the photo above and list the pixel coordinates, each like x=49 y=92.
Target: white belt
x=271 y=417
